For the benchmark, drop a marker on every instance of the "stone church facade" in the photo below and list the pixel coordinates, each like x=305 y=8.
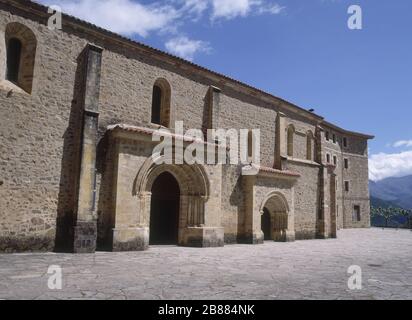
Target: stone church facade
x=78 y=108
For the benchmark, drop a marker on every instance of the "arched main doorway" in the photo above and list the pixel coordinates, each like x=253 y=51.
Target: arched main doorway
x=164 y=210
x=164 y=191
x=266 y=225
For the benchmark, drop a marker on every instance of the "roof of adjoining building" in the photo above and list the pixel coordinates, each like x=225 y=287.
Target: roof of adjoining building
x=42 y=10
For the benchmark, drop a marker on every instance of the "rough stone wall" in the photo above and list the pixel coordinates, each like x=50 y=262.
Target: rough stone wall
x=239 y=112
x=38 y=133
x=306 y=200
x=358 y=194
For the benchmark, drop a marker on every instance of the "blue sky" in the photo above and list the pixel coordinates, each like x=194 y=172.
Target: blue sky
x=299 y=50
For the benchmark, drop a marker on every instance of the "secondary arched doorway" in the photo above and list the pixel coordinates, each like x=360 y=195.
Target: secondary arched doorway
x=164 y=210
x=275 y=216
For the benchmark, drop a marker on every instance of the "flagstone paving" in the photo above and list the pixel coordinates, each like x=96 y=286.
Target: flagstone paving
x=315 y=269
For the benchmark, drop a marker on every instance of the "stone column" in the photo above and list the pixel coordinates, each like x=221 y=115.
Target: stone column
x=323 y=215
x=85 y=229
x=280 y=146
x=214 y=107
x=290 y=231
x=213 y=112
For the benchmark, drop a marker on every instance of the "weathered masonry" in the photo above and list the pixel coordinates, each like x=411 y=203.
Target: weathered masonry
x=78 y=107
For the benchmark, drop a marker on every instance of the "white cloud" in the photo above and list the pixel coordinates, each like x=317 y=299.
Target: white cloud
x=385 y=165
x=138 y=17
x=195 y=7
x=230 y=9
x=131 y=17
x=273 y=8
x=121 y=16
x=186 y=48
x=403 y=143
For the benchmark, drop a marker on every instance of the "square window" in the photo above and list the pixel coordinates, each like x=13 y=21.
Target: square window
x=334 y=138
x=328 y=158
x=345 y=142
x=335 y=160
x=327 y=135
x=347 y=186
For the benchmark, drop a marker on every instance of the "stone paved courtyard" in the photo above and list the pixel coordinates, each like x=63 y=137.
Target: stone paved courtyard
x=314 y=269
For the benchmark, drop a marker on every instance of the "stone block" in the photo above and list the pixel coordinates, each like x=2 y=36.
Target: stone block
x=202 y=237
x=85 y=235
x=130 y=239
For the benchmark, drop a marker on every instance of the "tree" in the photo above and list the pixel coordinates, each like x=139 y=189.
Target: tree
x=408 y=215
x=385 y=213
x=388 y=213
x=375 y=212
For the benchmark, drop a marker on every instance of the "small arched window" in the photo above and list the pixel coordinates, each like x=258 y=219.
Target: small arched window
x=21 y=45
x=290 y=138
x=13 y=59
x=161 y=103
x=309 y=146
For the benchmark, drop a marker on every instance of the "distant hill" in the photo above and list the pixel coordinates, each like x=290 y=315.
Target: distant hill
x=396 y=192
x=375 y=202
